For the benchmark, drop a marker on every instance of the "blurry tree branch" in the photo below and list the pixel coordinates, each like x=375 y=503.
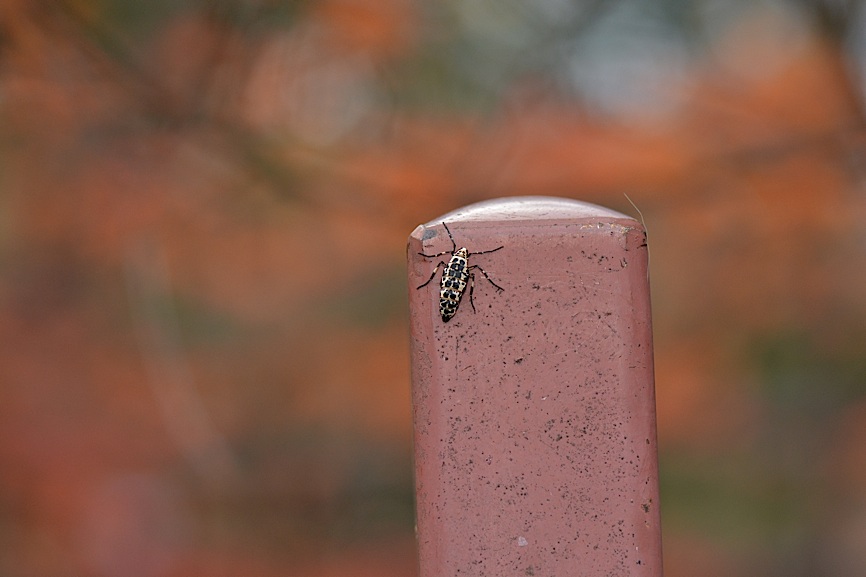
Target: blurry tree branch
x=184 y=414
x=834 y=22
x=197 y=107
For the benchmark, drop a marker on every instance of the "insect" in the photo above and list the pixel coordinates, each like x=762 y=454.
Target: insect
x=455 y=276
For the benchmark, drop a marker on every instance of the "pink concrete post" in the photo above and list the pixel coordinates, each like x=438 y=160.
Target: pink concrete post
x=535 y=438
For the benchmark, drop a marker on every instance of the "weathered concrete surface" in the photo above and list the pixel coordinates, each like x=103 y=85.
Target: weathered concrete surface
x=535 y=439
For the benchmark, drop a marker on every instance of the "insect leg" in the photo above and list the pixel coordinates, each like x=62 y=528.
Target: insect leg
x=499 y=288
x=435 y=255
x=486 y=251
x=471 y=289
x=435 y=270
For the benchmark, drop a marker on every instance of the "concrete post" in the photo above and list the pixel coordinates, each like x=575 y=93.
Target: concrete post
x=535 y=438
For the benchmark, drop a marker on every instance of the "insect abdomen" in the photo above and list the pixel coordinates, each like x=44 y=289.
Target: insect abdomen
x=454 y=279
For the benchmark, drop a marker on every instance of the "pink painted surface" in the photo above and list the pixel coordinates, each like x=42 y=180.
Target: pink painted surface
x=535 y=439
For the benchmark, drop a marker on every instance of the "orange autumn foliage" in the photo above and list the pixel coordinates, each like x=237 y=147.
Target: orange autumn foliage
x=202 y=333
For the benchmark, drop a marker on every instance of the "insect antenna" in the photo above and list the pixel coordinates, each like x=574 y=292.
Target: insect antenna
x=646 y=232
x=453 y=244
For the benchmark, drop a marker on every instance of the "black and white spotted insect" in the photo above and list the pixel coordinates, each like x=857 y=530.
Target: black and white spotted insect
x=455 y=276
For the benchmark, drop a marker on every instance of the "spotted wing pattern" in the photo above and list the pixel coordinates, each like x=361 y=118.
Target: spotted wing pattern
x=454 y=280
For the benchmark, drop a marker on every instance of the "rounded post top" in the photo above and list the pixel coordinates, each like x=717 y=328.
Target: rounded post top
x=552 y=358
x=535 y=208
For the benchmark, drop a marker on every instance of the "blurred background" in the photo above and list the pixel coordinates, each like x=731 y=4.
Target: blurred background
x=203 y=215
